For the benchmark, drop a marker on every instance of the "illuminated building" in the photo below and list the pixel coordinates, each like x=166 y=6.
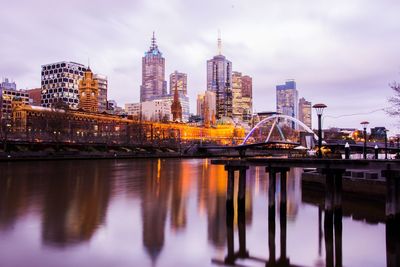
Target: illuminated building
x=242 y=101
x=176 y=107
x=88 y=92
x=66 y=125
x=60 y=83
x=219 y=81
x=305 y=111
x=7 y=97
x=153 y=73
x=35 y=96
x=287 y=100
x=206 y=106
x=103 y=88
x=178 y=79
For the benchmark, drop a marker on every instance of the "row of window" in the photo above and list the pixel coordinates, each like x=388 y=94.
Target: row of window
x=51 y=91
x=61 y=65
x=60 y=75
x=54 y=100
x=47 y=72
x=59 y=80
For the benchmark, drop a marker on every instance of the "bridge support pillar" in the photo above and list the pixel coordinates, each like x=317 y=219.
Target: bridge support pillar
x=333 y=216
x=282 y=213
x=392 y=217
x=241 y=205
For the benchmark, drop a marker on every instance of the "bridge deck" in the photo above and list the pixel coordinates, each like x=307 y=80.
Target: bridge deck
x=312 y=163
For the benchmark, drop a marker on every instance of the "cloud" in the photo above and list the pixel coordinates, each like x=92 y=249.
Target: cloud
x=339 y=52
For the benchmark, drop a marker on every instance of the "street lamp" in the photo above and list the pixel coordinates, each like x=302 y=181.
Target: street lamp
x=365 y=125
x=386 y=143
x=319 y=109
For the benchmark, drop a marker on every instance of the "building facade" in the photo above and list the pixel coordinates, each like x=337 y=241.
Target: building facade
x=206 y=107
x=287 y=100
x=88 y=92
x=35 y=96
x=153 y=73
x=7 y=97
x=156 y=110
x=184 y=101
x=242 y=102
x=7 y=84
x=219 y=81
x=103 y=88
x=60 y=83
x=305 y=108
x=179 y=80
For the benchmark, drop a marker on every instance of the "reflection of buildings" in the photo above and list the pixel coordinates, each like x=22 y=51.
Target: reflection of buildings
x=75 y=203
x=154 y=208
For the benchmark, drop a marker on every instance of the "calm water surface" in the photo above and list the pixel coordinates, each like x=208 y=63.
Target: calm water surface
x=167 y=213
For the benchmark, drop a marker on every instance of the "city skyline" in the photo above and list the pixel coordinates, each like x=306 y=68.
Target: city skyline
x=341 y=54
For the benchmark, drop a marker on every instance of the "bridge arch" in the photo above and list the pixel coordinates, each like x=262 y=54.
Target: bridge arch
x=275 y=117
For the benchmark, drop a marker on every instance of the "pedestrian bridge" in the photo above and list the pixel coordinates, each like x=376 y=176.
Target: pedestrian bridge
x=273 y=121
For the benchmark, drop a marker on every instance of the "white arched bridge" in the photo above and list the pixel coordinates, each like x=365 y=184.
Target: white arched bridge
x=275 y=125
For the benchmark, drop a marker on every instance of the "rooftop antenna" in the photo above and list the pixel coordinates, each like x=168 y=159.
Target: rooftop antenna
x=88 y=62
x=219 y=43
x=153 y=41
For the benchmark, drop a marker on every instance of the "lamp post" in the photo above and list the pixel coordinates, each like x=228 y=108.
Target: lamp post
x=347 y=151
x=364 y=125
x=386 y=147
x=319 y=109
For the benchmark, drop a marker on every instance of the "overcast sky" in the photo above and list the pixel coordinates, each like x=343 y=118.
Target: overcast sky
x=342 y=53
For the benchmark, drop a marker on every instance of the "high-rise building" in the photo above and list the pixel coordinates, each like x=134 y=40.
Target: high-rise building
x=219 y=81
x=287 y=100
x=206 y=106
x=7 y=84
x=305 y=111
x=153 y=73
x=242 y=103
x=103 y=88
x=88 y=92
x=60 y=83
x=179 y=80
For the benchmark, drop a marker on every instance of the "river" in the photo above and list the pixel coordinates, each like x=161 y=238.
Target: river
x=164 y=212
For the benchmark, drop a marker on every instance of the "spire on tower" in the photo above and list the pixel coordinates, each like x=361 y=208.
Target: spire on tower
x=153 y=41
x=219 y=43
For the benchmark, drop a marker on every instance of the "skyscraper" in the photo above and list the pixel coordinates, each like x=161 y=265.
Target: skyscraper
x=179 y=80
x=60 y=83
x=153 y=73
x=305 y=111
x=88 y=92
x=219 y=81
x=287 y=99
x=103 y=88
x=242 y=102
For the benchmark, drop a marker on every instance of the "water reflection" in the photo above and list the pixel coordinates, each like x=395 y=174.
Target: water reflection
x=171 y=206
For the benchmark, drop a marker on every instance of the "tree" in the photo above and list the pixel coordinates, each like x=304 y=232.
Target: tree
x=394 y=101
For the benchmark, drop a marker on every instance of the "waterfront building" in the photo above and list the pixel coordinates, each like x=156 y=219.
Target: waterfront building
x=305 y=108
x=35 y=96
x=287 y=100
x=88 y=92
x=60 y=83
x=103 y=88
x=179 y=80
x=67 y=125
x=8 y=94
x=153 y=73
x=241 y=94
x=219 y=81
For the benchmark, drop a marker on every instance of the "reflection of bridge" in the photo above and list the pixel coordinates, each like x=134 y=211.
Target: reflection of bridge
x=332 y=171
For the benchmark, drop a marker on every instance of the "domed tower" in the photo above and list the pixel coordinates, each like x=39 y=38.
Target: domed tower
x=88 y=92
